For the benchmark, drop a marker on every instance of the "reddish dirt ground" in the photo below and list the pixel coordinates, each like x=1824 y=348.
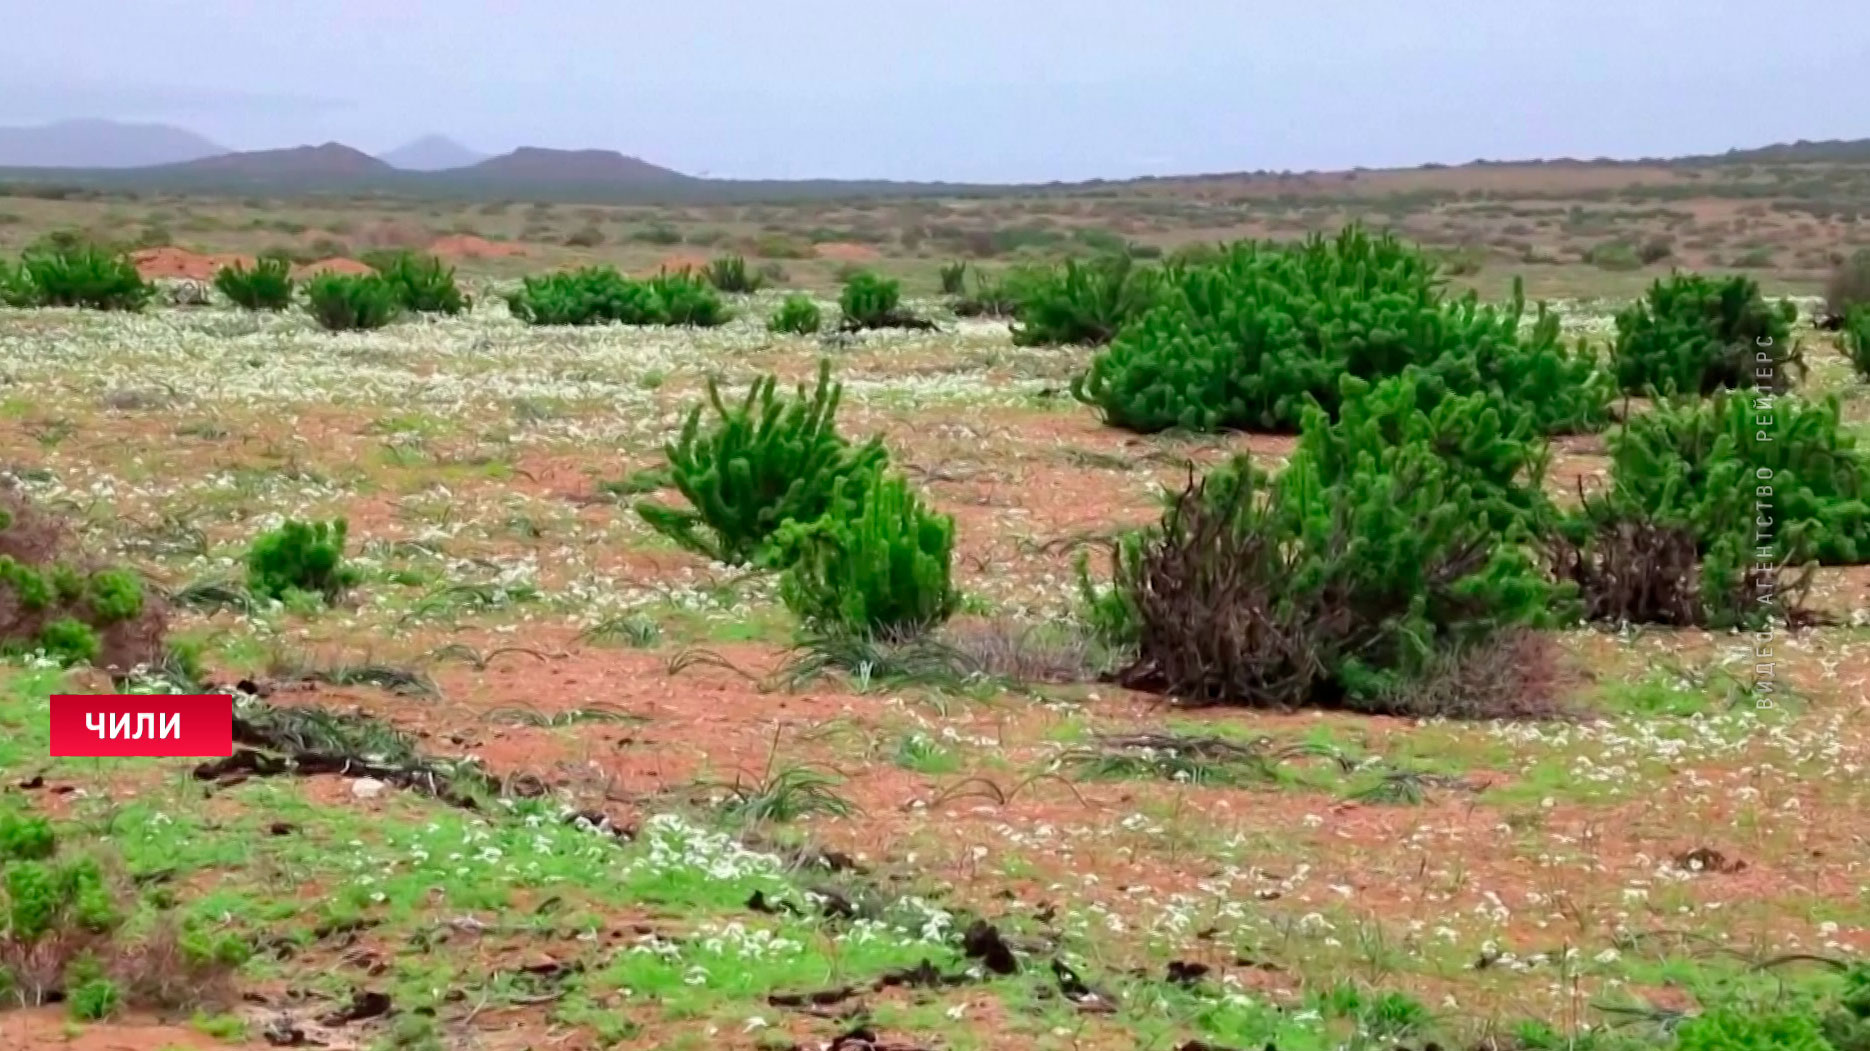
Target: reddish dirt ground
x=181 y=264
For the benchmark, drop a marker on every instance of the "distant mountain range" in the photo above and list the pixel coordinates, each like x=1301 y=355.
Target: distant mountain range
x=431 y=153
x=109 y=155
x=101 y=144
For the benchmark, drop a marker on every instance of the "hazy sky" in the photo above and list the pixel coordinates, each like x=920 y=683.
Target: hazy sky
x=998 y=90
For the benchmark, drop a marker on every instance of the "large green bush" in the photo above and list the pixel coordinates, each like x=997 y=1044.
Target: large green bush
x=1693 y=334
x=267 y=285
x=600 y=295
x=764 y=462
x=1715 y=511
x=1385 y=551
x=1082 y=302
x=589 y=296
x=1716 y=466
x=1254 y=339
x=878 y=567
x=423 y=284
x=86 y=276
x=351 y=302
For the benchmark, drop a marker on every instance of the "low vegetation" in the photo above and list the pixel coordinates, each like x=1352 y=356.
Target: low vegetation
x=266 y=285
x=601 y=295
x=422 y=284
x=798 y=315
x=352 y=302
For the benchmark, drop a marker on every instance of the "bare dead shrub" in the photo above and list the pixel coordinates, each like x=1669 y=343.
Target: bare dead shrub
x=1634 y=572
x=1515 y=676
x=1027 y=653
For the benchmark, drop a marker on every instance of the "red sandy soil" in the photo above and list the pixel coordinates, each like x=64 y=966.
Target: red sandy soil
x=46 y=1027
x=675 y=261
x=332 y=266
x=846 y=252
x=171 y=262
x=467 y=246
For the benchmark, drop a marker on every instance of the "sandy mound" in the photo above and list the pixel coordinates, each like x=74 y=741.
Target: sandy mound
x=332 y=266
x=467 y=246
x=847 y=252
x=181 y=264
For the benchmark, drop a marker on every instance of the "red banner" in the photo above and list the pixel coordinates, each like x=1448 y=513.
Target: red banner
x=195 y=726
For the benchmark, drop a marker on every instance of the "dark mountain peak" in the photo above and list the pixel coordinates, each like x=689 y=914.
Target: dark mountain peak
x=585 y=167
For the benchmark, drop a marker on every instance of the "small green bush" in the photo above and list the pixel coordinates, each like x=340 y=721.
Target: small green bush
x=93 y=1000
x=86 y=276
x=25 y=837
x=1848 y=288
x=765 y=462
x=306 y=557
x=684 y=299
x=1083 y=303
x=70 y=612
x=422 y=284
x=16 y=288
x=954 y=278
x=730 y=274
x=797 y=315
x=1693 y=334
x=880 y=568
x=347 y=302
x=869 y=300
x=267 y=285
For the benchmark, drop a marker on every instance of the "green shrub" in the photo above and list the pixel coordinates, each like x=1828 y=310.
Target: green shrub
x=1693 y=334
x=25 y=838
x=590 y=296
x=954 y=278
x=1083 y=303
x=16 y=288
x=1252 y=341
x=1385 y=552
x=868 y=299
x=1856 y=339
x=871 y=301
x=267 y=285
x=684 y=299
x=1614 y=255
x=797 y=315
x=997 y=297
x=86 y=276
x=93 y=1000
x=1848 y=288
x=305 y=557
x=876 y=569
x=422 y=284
x=765 y=462
x=1730 y=1029
x=71 y=613
x=730 y=274
x=347 y=302
x=1715 y=466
